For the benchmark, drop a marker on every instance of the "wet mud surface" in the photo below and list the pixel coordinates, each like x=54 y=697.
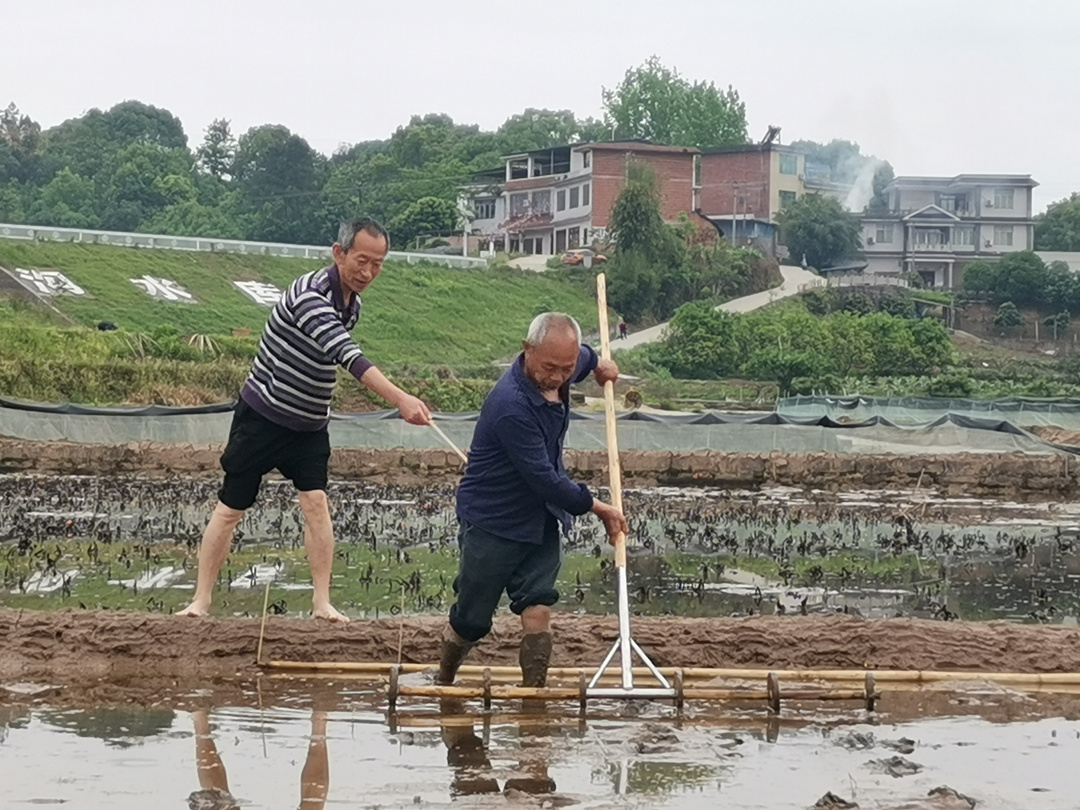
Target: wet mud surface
x=80 y=646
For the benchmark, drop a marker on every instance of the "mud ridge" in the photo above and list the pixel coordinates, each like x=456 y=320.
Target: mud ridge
x=74 y=647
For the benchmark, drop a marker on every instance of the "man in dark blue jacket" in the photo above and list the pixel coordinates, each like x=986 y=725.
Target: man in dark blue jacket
x=516 y=498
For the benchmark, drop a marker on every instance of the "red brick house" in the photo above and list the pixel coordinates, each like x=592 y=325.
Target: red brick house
x=551 y=200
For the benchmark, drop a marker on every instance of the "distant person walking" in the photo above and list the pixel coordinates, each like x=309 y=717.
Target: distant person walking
x=281 y=418
x=623 y=330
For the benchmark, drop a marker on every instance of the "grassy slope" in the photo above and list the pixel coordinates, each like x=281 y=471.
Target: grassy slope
x=416 y=314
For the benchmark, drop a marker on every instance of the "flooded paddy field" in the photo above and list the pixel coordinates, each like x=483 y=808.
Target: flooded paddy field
x=131 y=543
x=312 y=745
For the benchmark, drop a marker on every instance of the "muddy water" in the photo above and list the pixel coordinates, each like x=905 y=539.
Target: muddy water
x=349 y=754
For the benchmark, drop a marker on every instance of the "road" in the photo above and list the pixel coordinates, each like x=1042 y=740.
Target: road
x=796 y=280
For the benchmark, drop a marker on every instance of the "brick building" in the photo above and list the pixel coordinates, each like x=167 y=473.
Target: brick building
x=743 y=188
x=552 y=200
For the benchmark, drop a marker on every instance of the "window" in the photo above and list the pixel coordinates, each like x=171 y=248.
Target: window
x=573 y=237
x=560 y=241
x=484 y=209
x=519 y=203
x=585 y=194
x=560 y=200
x=1003 y=235
x=954 y=203
x=586 y=158
x=883 y=234
x=963 y=236
x=541 y=202
x=927 y=236
x=789 y=164
x=787 y=197
x=1003 y=198
x=574 y=192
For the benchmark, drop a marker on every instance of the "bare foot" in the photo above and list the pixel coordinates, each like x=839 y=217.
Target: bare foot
x=330 y=614
x=195 y=610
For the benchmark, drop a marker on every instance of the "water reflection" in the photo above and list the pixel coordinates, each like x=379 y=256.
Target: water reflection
x=214 y=793
x=469 y=758
x=119 y=728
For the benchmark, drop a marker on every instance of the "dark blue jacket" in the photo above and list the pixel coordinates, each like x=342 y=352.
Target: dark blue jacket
x=515 y=476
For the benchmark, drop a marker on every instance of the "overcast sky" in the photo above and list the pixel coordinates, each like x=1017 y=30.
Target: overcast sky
x=934 y=86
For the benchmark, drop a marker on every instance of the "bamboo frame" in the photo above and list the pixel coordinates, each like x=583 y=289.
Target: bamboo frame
x=897 y=676
x=586 y=690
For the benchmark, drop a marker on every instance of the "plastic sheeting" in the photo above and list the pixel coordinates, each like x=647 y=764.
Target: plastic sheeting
x=1025 y=411
x=711 y=430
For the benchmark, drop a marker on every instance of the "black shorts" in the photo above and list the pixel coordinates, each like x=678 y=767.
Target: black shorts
x=490 y=565
x=257 y=446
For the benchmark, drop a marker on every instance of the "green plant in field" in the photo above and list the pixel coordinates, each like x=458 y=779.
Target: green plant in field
x=204 y=344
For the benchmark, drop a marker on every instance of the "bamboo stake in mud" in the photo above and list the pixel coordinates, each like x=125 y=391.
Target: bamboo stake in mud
x=262 y=626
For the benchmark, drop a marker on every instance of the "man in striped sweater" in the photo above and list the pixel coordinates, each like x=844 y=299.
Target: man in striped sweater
x=282 y=415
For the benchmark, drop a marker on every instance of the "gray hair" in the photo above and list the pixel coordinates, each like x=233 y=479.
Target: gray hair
x=348 y=231
x=544 y=322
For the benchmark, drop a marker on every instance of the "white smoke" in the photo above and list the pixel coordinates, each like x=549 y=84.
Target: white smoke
x=862 y=189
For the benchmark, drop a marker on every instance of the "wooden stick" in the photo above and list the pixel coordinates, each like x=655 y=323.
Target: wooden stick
x=614 y=466
x=262 y=626
x=880 y=675
x=464 y=458
x=573 y=693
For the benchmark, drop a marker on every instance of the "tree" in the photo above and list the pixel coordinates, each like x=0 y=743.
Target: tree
x=540 y=129
x=1059 y=227
x=1022 y=278
x=817 y=227
x=20 y=145
x=1059 y=323
x=633 y=284
x=428 y=215
x=655 y=103
x=980 y=277
x=1007 y=316
x=67 y=201
x=700 y=342
x=218 y=150
x=279 y=177
x=636 y=224
x=139 y=181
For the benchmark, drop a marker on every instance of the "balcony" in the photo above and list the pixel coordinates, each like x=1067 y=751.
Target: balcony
x=942 y=247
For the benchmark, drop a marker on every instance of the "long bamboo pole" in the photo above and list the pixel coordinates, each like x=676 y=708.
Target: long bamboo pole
x=696 y=673
x=611 y=680
x=614 y=464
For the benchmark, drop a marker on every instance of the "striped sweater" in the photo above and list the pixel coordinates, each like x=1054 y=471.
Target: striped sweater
x=306 y=338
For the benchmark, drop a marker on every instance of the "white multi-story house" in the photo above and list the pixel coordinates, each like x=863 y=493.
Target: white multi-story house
x=556 y=199
x=936 y=225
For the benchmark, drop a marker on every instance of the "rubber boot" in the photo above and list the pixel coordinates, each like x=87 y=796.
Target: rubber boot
x=533 y=657
x=454 y=650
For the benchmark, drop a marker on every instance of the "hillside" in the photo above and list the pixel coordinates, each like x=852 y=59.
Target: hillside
x=413 y=314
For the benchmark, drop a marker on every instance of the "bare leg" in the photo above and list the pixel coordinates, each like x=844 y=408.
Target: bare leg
x=216 y=542
x=536 y=619
x=319 y=540
x=315 y=778
x=535 y=650
x=212 y=774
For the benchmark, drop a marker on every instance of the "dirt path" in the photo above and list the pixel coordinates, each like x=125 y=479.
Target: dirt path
x=81 y=647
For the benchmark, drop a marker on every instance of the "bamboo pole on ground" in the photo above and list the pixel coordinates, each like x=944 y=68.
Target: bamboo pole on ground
x=376 y=669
